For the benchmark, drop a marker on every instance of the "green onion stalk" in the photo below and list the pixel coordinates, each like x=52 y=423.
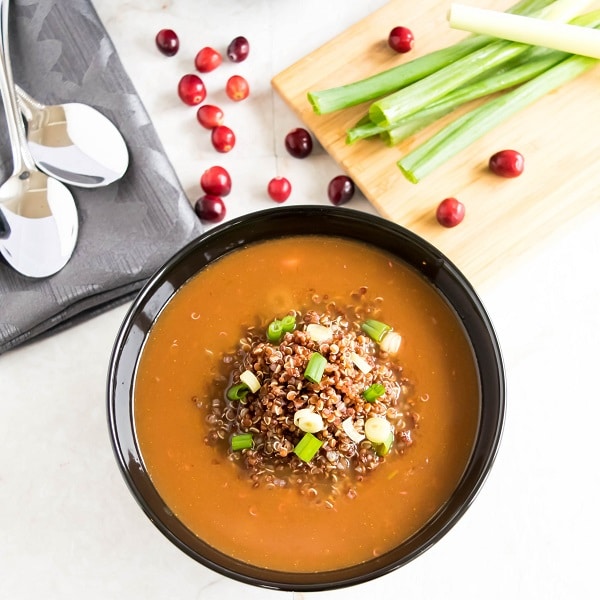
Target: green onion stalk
x=401 y=76
x=473 y=125
x=531 y=64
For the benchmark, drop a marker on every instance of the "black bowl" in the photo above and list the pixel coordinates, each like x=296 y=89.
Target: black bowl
x=275 y=223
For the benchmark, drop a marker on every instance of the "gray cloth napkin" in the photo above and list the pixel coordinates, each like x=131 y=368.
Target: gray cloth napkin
x=61 y=52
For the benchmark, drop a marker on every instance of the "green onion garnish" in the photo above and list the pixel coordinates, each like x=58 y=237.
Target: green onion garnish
x=384 y=448
x=373 y=392
x=315 y=367
x=237 y=391
x=307 y=447
x=241 y=441
x=375 y=329
x=277 y=327
x=274 y=331
x=288 y=323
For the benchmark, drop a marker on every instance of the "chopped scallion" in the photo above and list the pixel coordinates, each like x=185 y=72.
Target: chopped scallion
x=315 y=367
x=288 y=323
x=277 y=327
x=238 y=391
x=375 y=329
x=374 y=391
x=241 y=441
x=361 y=363
x=274 y=331
x=383 y=448
x=250 y=379
x=307 y=447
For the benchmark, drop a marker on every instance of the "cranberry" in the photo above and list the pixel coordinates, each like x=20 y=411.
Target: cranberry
x=210 y=208
x=507 y=163
x=238 y=49
x=210 y=116
x=237 y=88
x=279 y=189
x=450 y=212
x=207 y=59
x=298 y=143
x=340 y=190
x=216 y=181
x=167 y=42
x=191 y=89
x=223 y=138
x=401 y=39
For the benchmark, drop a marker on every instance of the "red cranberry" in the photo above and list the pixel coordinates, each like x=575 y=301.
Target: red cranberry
x=216 y=181
x=299 y=143
x=279 y=189
x=507 y=163
x=207 y=59
x=210 y=209
x=191 y=89
x=210 y=116
x=238 y=49
x=340 y=190
x=167 y=42
x=401 y=39
x=237 y=88
x=223 y=138
x=450 y=212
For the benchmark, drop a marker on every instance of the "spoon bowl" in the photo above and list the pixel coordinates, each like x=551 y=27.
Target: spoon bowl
x=74 y=142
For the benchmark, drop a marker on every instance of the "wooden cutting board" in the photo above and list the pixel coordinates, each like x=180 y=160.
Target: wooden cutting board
x=559 y=137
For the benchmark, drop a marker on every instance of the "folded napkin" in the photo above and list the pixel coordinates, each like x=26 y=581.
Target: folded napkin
x=61 y=52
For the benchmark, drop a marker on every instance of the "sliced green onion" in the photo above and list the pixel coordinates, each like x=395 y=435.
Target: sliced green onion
x=383 y=448
x=361 y=363
x=391 y=80
x=238 y=391
x=351 y=431
x=378 y=429
x=288 y=323
x=315 y=367
x=374 y=391
x=308 y=420
x=318 y=333
x=307 y=447
x=250 y=379
x=274 y=331
x=241 y=441
x=391 y=342
x=375 y=329
x=277 y=327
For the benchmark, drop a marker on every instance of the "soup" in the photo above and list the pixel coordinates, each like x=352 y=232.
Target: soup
x=185 y=370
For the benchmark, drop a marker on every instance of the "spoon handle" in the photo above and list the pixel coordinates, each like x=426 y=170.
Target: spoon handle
x=22 y=159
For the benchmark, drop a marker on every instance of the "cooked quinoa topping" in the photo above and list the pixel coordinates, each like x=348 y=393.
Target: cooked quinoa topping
x=323 y=435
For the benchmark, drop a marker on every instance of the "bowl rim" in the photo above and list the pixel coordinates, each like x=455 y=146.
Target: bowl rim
x=432 y=264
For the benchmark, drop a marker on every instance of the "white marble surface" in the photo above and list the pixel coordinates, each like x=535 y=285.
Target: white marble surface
x=69 y=526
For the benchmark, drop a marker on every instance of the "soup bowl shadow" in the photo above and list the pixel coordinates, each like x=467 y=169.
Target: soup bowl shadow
x=272 y=224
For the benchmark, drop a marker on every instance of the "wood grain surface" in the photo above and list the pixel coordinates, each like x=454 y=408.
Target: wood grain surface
x=559 y=136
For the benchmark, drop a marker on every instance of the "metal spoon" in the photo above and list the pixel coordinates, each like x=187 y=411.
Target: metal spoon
x=74 y=142
x=38 y=217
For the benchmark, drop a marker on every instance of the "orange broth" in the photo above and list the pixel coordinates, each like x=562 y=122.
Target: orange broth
x=279 y=528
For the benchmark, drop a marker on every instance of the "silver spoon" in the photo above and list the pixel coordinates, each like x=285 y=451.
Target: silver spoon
x=38 y=217
x=74 y=142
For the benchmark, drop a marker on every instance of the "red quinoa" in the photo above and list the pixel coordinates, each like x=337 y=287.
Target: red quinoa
x=269 y=413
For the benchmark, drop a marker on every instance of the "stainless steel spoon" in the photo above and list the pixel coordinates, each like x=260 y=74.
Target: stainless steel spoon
x=74 y=142
x=38 y=217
